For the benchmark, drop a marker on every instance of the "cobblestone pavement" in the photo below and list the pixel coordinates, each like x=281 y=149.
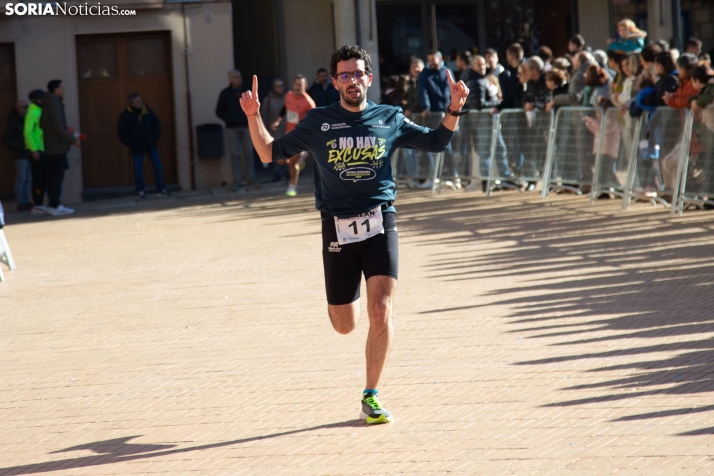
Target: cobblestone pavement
x=191 y=337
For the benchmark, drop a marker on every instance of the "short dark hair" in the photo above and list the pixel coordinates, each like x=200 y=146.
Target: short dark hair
x=299 y=76
x=664 y=44
x=321 y=70
x=347 y=53
x=54 y=84
x=515 y=50
x=36 y=94
x=686 y=61
x=701 y=73
x=578 y=40
x=490 y=51
x=465 y=56
x=615 y=56
x=545 y=53
x=649 y=52
x=435 y=53
x=695 y=42
x=666 y=59
x=130 y=98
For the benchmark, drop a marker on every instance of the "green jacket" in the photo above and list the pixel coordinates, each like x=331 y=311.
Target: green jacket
x=706 y=96
x=33 y=132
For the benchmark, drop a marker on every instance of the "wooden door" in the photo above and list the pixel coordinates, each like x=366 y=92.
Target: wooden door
x=110 y=67
x=8 y=99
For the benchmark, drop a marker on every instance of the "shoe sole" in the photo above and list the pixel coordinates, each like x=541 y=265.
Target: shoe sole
x=373 y=421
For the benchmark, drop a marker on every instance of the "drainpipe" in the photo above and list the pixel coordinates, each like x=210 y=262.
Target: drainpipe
x=192 y=155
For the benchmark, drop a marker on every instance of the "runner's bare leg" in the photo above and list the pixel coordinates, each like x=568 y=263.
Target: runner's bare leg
x=380 y=290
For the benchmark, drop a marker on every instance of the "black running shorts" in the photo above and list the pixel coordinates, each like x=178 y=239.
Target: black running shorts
x=345 y=264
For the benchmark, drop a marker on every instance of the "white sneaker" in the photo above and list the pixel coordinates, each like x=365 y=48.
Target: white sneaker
x=427 y=184
x=59 y=211
x=39 y=210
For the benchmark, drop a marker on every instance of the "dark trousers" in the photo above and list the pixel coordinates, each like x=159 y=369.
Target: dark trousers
x=55 y=176
x=138 y=161
x=39 y=180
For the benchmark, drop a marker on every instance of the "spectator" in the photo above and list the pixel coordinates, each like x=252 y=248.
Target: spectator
x=463 y=62
x=400 y=95
x=413 y=105
x=546 y=54
x=57 y=141
x=556 y=83
x=613 y=65
x=270 y=109
x=703 y=82
x=493 y=67
x=631 y=39
x=680 y=98
x=36 y=145
x=480 y=94
x=434 y=91
x=139 y=130
x=705 y=59
x=663 y=44
x=629 y=68
x=536 y=90
x=511 y=84
x=667 y=82
x=228 y=109
x=648 y=70
x=388 y=89
x=15 y=141
x=581 y=62
x=494 y=86
x=563 y=64
x=576 y=44
x=322 y=91
x=597 y=86
x=693 y=46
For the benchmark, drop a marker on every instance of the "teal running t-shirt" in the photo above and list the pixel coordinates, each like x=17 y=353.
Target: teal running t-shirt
x=352 y=153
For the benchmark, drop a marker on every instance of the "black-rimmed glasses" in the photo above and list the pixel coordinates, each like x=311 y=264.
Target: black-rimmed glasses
x=357 y=75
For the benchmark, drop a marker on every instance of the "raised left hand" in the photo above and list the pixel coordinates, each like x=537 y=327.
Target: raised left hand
x=459 y=92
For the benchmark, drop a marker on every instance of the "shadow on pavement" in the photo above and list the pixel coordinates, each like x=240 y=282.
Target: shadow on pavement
x=118 y=450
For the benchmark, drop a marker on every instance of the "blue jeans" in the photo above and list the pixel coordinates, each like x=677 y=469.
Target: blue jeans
x=138 y=160
x=23 y=181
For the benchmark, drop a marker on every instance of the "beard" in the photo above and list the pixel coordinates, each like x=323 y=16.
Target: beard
x=355 y=102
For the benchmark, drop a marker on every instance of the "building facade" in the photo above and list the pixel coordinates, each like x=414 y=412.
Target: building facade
x=177 y=56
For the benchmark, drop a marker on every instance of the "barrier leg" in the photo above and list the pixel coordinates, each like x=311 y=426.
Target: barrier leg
x=680 y=182
x=438 y=170
x=634 y=159
x=494 y=139
x=5 y=252
x=595 y=186
x=549 y=157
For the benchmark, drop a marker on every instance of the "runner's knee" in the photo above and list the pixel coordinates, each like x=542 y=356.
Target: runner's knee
x=344 y=318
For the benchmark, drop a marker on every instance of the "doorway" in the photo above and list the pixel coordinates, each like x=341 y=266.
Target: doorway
x=8 y=98
x=109 y=68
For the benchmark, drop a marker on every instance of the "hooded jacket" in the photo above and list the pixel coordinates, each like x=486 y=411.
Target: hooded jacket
x=53 y=122
x=139 y=129
x=13 y=137
x=34 y=140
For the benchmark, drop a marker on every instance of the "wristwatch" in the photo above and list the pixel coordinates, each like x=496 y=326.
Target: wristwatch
x=456 y=113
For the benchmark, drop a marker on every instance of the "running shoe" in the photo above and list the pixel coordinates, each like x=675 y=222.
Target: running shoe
x=39 y=210
x=373 y=411
x=59 y=211
x=291 y=193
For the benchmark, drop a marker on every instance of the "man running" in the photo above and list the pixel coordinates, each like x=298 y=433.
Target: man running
x=352 y=142
x=297 y=103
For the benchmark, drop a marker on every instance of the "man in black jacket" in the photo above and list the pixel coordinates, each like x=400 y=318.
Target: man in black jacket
x=139 y=130
x=239 y=143
x=15 y=141
x=322 y=91
x=511 y=86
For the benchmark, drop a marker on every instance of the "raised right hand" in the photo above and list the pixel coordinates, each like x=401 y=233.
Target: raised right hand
x=249 y=100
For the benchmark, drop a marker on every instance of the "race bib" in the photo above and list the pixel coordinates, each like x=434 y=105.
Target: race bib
x=293 y=117
x=359 y=228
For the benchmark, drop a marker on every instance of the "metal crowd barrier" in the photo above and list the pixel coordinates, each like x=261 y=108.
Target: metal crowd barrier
x=575 y=149
x=659 y=148
x=526 y=138
x=412 y=167
x=468 y=158
x=612 y=163
x=696 y=174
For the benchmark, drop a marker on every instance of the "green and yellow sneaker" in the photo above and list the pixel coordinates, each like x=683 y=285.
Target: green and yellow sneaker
x=373 y=411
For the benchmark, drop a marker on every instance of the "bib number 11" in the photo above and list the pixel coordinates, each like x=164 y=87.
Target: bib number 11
x=359 y=228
